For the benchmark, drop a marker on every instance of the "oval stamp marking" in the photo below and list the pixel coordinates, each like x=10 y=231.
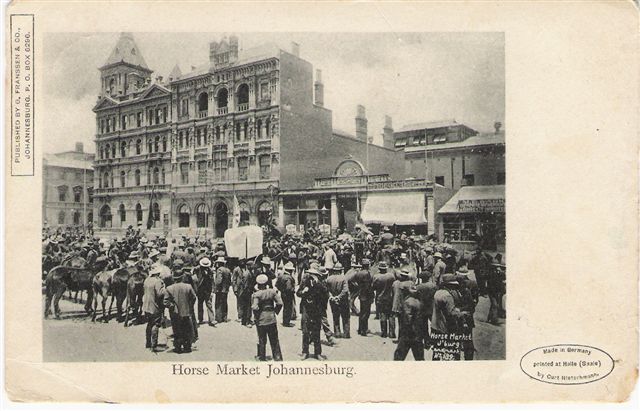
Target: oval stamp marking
x=567 y=364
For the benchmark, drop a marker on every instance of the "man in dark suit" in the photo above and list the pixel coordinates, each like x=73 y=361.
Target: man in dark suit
x=179 y=298
x=222 y=282
x=204 y=286
x=363 y=280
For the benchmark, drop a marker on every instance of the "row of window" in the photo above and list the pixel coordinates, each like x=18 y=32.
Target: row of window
x=77 y=217
x=154 y=145
x=220 y=169
x=222 y=100
x=77 y=193
x=157 y=176
x=133 y=120
x=241 y=133
x=470 y=180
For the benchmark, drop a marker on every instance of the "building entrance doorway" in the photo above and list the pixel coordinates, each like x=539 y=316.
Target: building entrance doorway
x=347 y=213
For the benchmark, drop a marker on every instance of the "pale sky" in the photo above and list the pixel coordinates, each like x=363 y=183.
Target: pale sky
x=413 y=77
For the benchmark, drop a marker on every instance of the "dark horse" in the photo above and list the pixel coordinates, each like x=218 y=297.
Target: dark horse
x=127 y=283
x=61 y=278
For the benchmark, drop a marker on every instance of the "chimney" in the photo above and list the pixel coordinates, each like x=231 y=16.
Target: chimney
x=233 y=48
x=497 y=125
x=79 y=147
x=319 y=89
x=387 y=132
x=361 y=123
x=295 y=49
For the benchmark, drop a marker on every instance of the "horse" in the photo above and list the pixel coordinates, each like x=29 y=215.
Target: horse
x=135 y=291
x=61 y=278
x=74 y=261
x=102 y=283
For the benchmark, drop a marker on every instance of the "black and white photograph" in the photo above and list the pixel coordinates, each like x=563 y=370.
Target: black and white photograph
x=273 y=197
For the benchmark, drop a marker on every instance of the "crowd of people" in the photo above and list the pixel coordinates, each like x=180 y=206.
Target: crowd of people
x=424 y=291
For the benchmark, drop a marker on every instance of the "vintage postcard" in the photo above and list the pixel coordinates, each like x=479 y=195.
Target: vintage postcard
x=293 y=195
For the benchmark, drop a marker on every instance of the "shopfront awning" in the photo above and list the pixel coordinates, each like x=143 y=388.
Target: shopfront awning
x=394 y=208
x=475 y=199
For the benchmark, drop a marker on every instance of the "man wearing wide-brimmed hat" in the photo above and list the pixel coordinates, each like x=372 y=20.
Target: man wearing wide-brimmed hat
x=414 y=327
x=286 y=285
x=363 y=279
x=446 y=317
x=152 y=300
x=222 y=282
x=439 y=268
x=179 y=298
x=338 y=288
x=204 y=286
x=314 y=296
x=383 y=286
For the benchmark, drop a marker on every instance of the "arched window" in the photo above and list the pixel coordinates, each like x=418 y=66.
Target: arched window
x=156 y=212
x=138 y=213
x=183 y=216
x=61 y=217
x=137 y=177
x=203 y=102
x=163 y=177
x=108 y=150
x=113 y=150
x=164 y=144
x=123 y=213
x=123 y=177
x=156 y=176
x=198 y=137
x=150 y=146
x=112 y=86
x=267 y=129
x=90 y=217
x=264 y=213
x=245 y=131
x=202 y=215
x=138 y=146
x=123 y=149
x=243 y=95
x=101 y=152
x=217 y=134
x=157 y=144
x=238 y=131
x=244 y=213
x=223 y=98
x=76 y=217
x=106 y=180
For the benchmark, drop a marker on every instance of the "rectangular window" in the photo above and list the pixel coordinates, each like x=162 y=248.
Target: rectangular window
x=440 y=180
x=220 y=165
x=400 y=143
x=77 y=196
x=62 y=194
x=243 y=168
x=500 y=178
x=202 y=172
x=460 y=228
x=184 y=173
x=124 y=122
x=264 y=91
x=440 y=138
x=139 y=119
x=265 y=167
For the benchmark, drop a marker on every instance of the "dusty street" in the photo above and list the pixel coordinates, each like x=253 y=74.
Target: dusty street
x=76 y=338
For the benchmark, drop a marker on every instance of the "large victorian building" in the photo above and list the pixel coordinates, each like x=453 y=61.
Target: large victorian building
x=171 y=154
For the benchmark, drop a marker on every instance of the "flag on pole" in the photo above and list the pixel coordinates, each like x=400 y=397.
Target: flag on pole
x=236 y=213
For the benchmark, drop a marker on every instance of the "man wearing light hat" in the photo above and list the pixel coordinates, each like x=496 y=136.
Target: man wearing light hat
x=266 y=304
x=152 y=306
x=204 y=284
x=222 y=282
x=338 y=288
x=179 y=297
x=413 y=330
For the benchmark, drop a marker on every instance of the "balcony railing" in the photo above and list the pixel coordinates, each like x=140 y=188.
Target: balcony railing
x=243 y=107
x=202 y=114
x=142 y=188
x=350 y=180
x=222 y=110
